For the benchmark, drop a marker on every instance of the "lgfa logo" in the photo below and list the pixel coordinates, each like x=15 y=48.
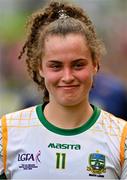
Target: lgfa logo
x=29 y=157
x=25 y=157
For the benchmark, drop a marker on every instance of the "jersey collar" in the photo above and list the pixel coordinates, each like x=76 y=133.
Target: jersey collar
x=67 y=132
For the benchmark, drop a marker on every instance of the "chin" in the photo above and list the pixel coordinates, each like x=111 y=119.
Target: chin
x=69 y=103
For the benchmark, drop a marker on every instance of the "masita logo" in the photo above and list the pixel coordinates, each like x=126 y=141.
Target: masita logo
x=64 y=146
x=29 y=160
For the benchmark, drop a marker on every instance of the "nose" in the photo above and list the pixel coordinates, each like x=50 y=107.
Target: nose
x=68 y=76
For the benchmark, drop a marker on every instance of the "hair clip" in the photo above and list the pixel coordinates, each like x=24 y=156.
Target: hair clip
x=62 y=14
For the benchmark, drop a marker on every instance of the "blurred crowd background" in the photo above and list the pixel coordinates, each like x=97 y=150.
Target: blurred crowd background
x=17 y=90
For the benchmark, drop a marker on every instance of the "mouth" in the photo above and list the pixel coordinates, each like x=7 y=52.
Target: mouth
x=68 y=86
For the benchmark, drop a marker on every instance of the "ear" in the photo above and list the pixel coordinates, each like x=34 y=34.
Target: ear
x=96 y=66
x=41 y=72
x=95 y=69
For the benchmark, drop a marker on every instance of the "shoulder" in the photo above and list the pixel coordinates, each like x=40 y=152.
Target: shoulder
x=111 y=124
x=112 y=118
x=23 y=114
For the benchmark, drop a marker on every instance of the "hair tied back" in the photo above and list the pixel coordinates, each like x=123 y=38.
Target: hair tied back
x=62 y=14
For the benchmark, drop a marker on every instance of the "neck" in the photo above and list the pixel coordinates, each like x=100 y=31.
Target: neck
x=68 y=117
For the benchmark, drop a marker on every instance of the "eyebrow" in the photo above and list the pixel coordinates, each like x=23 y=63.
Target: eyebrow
x=54 y=61
x=73 y=61
x=81 y=59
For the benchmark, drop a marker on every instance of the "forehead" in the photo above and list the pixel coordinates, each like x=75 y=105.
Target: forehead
x=71 y=46
x=71 y=40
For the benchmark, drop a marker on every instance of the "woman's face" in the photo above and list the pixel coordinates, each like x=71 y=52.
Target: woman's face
x=67 y=69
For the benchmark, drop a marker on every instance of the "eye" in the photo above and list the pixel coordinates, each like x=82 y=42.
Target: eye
x=79 y=65
x=55 y=66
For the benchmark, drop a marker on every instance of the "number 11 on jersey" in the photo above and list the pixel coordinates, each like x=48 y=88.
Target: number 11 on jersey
x=60 y=160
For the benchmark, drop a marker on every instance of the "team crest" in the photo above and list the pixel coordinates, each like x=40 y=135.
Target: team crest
x=96 y=163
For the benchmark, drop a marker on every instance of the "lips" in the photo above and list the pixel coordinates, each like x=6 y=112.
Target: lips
x=70 y=87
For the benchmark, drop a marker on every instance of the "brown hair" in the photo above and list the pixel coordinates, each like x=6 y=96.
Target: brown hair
x=57 y=18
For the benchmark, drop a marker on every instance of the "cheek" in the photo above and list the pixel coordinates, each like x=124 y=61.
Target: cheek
x=86 y=75
x=50 y=78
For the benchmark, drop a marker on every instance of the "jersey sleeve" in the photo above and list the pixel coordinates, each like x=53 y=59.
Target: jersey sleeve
x=124 y=168
x=1 y=150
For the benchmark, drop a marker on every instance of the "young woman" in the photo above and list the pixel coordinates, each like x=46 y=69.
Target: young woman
x=66 y=137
